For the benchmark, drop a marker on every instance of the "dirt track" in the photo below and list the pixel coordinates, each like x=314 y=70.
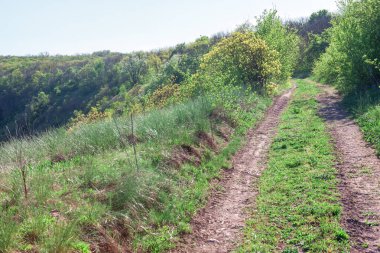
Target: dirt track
x=359 y=171
x=217 y=227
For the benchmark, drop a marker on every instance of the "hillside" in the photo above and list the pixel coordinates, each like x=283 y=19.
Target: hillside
x=41 y=92
x=209 y=146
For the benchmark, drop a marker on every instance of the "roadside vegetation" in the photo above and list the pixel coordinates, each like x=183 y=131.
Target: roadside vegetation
x=298 y=207
x=351 y=63
x=365 y=107
x=313 y=34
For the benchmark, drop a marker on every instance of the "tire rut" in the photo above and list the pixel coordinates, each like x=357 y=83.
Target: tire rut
x=359 y=170
x=218 y=226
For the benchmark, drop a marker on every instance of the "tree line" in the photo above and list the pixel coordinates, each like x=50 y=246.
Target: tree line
x=41 y=92
x=351 y=61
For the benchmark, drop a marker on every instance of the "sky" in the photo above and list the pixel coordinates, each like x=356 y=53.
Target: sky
x=31 y=27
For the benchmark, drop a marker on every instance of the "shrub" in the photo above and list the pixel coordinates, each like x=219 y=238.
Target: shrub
x=285 y=41
x=92 y=116
x=243 y=59
x=163 y=96
x=351 y=60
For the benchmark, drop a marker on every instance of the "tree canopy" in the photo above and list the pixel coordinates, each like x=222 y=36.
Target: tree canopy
x=352 y=58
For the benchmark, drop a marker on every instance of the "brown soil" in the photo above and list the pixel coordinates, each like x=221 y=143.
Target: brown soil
x=359 y=170
x=206 y=140
x=218 y=226
x=185 y=154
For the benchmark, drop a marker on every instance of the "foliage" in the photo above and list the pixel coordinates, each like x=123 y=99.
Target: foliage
x=314 y=34
x=163 y=96
x=40 y=92
x=132 y=68
x=315 y=47
x=92 y=116
x=316 y=24
x=243 y=60
x=184 y=61
x=350 y=61
x=284 y=40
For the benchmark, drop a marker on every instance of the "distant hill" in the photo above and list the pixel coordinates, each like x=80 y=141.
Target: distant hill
x=40 y=92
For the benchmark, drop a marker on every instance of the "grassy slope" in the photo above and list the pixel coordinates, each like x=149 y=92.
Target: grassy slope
x=96 y=196
x=298 y=205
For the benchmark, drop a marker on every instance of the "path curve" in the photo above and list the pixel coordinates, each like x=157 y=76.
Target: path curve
x=218 y=227
x=359 y=171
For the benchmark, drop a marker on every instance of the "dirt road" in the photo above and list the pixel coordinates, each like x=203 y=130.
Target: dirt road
x=359 y=173
x=218 y=226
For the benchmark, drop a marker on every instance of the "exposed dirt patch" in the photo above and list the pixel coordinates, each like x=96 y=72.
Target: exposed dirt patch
x=224 y=131
x=58 y=158
x=359 y=170
x=206 y=140
x=185 y=154
x=133 y=139
x=218 y=226
x=218 y=114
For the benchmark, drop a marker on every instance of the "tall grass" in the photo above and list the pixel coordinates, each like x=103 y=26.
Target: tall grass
x=96 y=179
x=104 y=135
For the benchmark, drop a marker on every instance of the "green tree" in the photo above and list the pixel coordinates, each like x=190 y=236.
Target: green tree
x=351 y=60
x=132 y=68
x=314 y=35
x=285 y=41
x=38 y=103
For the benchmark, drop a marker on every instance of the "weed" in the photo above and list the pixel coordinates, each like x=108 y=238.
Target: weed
x=82 y=247
x=60 y=239
x=372 y=223
x=366 y=170
x=364 y=245
x=8 y=229
x=290 y=250
x=341 y=235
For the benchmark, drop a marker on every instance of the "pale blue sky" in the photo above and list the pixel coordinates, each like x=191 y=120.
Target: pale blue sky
x=84 y=26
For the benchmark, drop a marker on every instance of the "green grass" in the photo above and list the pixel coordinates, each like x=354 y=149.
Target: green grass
x=96 y=197
x=298 y=205
x=101 y=136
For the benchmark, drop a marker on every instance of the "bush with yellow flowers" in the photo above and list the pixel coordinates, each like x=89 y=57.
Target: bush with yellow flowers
x=93 y=115
x=243 y=59
x=271 y=88
x=163 y=96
